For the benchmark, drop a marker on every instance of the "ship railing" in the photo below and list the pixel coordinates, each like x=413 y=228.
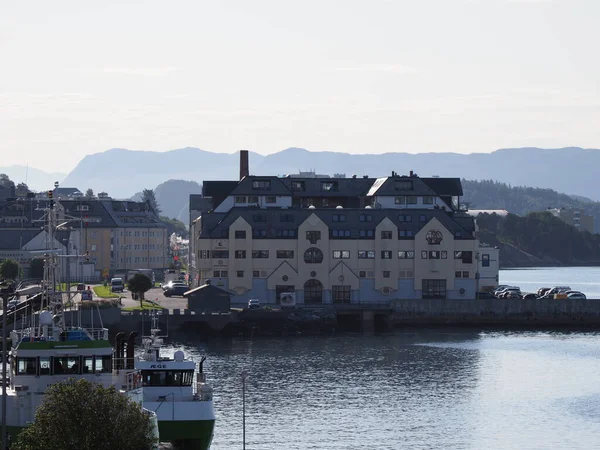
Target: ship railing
x=36 y=334
x=202 y=391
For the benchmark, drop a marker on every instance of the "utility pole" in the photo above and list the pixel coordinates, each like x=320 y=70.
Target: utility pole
x=6 y=290
x=244 y=376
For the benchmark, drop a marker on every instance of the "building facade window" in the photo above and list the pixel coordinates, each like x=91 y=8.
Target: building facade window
x=240 y=254
x=341 y=254
x=465 y=256
x=220 y=254
x=93 y=247
x=285 y=233
x=240 y=273
x=386 y=235
x=313 y=292
x=404 y=218
x=434 y=289
x=339 y=217
x=313 y=255
x=283 y=254
x=340 y=233
x=240 y=199
x=406 y=254
x=240 y=234
x=424 y=254
x=313 y=236
x=402 y=234
x=261 y=185
x=386 y=254
x=366 y=233
x=341 y=294
x=400 y=200
x=386 y=274
x=366 y=254
x=297 y=185
x=465 y=274
x=220 y=274
x=434 y=254
x=428 y=200
x=259 y=217
x=365 y=218
x=259 y=233
x=256 y=273
x=252 y=199
x=485 y=260
x=362 y=274
x=271 y=199
x=422 y=218
x=411 y=200
x=260 y=254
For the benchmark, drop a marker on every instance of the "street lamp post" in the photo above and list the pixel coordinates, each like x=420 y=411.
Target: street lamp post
x=244 y=376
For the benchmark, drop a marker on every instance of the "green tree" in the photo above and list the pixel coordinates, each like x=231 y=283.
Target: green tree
x=5 y=181
x=9 y=269
x=175 y=226
x=139 y=284
x=79 y=415
x=36 y=268
x=89 y=193
x=149 y=197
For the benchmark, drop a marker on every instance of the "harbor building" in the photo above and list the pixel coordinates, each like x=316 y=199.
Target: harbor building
x=339 y=240
x=576 y=217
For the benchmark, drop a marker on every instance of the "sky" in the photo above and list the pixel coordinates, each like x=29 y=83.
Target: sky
x=370 y=76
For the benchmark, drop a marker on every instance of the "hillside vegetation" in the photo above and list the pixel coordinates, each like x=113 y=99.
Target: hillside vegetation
x=538 y=239
x=522 y=200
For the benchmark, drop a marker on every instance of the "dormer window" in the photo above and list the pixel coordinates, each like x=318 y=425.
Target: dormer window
x=82 y=208
x=240 y=199
x=297 y=185
x=329 y=186
x=428 y=200
x=261 y=185
x=404 y=185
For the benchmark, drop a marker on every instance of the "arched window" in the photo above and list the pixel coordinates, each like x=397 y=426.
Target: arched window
x=313 y=256
x=313 y=292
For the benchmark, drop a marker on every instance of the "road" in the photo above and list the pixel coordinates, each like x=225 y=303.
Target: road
x=155 y=295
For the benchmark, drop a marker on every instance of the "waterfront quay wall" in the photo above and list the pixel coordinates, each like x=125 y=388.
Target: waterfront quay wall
x=496 y=311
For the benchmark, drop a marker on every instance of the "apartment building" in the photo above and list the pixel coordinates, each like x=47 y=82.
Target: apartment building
x=340 y=240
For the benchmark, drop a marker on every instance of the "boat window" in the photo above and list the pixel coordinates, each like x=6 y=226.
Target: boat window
x=104 y=364
x=167 y=377
x=88 y=364
x=26 y=366
x=66 y=364
x=45 y=366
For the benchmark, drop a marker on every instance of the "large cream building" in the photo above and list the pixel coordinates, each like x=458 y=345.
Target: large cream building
x=340 y=240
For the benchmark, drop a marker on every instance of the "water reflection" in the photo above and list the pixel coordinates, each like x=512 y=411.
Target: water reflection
x=343 y=392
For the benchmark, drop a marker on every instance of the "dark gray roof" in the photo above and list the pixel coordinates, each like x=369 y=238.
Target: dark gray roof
x=344 y=187
x=217 y=190
x=64 y=192
x=215 y=225
x=445 y=186
x=15 y=239
x=277 y=188
x=389 y=186
x=31 y=209
x=96 y=211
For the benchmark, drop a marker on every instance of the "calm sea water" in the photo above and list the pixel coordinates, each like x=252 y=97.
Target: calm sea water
x=584 y=279
x=411 y=389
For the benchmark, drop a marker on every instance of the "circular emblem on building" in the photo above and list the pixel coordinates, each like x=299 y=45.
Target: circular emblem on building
x=284 y=278
x=313 y=274
x=341 y=278
x=434 y=237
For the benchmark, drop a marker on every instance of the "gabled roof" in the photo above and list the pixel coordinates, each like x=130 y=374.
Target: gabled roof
x=16 y=239
x=208 y=288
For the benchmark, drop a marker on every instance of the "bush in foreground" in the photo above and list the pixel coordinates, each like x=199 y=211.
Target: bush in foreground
x=79 y=415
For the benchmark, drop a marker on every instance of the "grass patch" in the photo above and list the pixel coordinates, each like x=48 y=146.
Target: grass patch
x=146 y=306
x=104 y=292
x=102 y=304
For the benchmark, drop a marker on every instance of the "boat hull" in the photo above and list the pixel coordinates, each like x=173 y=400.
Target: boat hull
x=187 y=434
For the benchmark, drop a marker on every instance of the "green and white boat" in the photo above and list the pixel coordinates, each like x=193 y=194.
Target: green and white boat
x=177 y=393
x=46 y=350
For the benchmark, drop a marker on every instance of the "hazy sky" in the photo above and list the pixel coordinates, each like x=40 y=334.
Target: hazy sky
x=80 y=77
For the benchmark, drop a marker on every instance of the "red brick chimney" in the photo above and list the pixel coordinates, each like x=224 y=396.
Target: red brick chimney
x=244 y=167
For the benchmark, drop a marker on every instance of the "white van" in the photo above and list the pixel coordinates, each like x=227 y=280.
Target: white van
x=116 y=285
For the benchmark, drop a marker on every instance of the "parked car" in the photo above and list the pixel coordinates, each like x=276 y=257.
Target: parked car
x=576 y=295
x=86 y=295
x=530 y=296
x=542 y=291
x=253 y=303
x=176 y=289
x=172 y=283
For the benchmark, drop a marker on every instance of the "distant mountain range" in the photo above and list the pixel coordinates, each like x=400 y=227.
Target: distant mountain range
x=121 y=173
x=36 y=179
x=173 y=198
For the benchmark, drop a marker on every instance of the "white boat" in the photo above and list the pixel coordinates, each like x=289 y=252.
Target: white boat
x=180 y=396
